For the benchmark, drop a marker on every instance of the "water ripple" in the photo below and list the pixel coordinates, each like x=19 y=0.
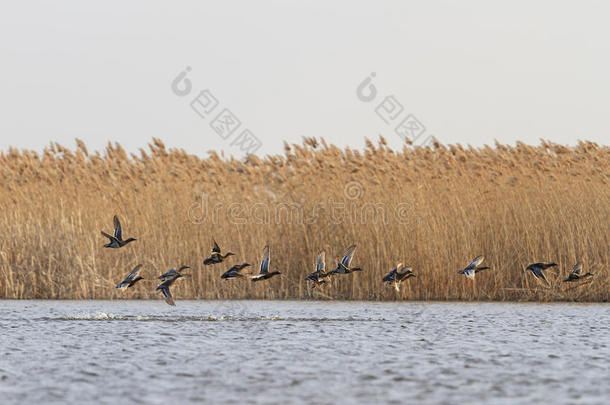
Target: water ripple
x=308 y=352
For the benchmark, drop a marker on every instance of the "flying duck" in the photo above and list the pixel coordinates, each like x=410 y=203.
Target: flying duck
x=537 y=268
x=164 y=287
x=264 y=272
x=398 y=274
x=575 y=274
x=116 y=240
x=473 y=268
x=318 y=277
x=216 y=256
x=234 y=271
x=131 y=279
x=173 y=273
x=343 y=267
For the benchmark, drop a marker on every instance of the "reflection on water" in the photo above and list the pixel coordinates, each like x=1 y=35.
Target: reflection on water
x=303 y=352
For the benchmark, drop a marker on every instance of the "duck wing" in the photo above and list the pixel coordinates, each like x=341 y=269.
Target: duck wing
x=118 y=231
x=112 y=238
x=347 y=257
x=216 y=248
x=133 y=273
x=577 y=268
x=538 y=272
x=391 y=276
x=235 y=269
x=128 y=280
x=167 y=294
x=478 y=260
x=404 y=270
x=232 y=272
x=170 y=273
x=320 y=262
x=265 y=261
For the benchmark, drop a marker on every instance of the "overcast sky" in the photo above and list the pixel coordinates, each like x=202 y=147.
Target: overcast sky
x=466 y=71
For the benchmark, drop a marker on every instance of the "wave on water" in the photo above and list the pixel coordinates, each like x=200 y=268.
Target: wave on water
x=104 y=316
x=97 y=316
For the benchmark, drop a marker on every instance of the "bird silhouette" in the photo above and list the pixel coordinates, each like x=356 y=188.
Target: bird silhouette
x=343 y=267
x=537 y=270
x=116 y=240
x=473 y=268
x=397 y=275
x=318 y=277
x=216 y=256
x=234 y=271
x=131 y=278
x=575 y=274
x=264 y=272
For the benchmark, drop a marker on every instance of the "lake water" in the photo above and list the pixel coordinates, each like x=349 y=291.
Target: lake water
x=303 y=352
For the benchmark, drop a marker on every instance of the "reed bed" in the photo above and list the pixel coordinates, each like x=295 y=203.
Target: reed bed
x=433 y=208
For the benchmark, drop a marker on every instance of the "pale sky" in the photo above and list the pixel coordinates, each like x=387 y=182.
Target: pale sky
x=469 y=71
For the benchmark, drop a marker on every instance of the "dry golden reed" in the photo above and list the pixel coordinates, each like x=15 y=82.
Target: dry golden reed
x=433 y=208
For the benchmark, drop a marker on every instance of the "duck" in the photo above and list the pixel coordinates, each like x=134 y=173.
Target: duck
x=165 y=285
x=216 y=256
x=234 y=271
x=318 y=277
x=575 y=274
x=264 y=272
x=131 y=278
x=343 y=267
x=397 y=275
x=473 y=268
x=173 y=273
x=537 y=268
x=116 y=240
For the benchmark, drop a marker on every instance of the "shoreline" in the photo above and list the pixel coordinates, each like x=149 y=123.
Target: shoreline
x=438 y=301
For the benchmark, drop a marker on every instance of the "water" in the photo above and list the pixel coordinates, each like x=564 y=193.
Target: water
x=303 y=352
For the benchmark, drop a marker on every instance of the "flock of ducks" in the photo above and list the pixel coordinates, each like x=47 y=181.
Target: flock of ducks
x=319 y=277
